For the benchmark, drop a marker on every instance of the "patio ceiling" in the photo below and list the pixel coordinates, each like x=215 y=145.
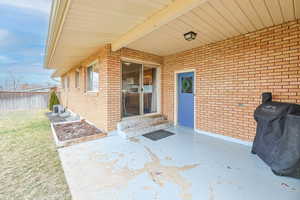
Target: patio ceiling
x=217 y=20
x=78 y=28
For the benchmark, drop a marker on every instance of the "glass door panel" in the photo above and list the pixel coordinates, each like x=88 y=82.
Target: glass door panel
x=131 y=89
x=149 y=90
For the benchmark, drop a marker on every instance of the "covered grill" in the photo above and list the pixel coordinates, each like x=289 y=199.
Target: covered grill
x=277 y=140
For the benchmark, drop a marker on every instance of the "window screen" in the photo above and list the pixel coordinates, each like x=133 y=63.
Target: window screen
x=92 y=78
x=68 y=82
x=76 y=79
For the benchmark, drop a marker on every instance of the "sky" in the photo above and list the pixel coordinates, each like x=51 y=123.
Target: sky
x=23 y=34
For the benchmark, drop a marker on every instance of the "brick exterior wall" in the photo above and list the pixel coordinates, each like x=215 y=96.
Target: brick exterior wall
x=103 y=108
x=232 y=74
x=230 y=77
x=115 y=81
x=89 y=105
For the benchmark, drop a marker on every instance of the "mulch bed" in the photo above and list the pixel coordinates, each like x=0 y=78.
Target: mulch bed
x=73 y=130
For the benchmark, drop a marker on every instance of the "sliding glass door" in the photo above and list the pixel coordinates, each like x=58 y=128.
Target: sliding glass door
x=131 y=89
x=139 y=89
x=150 y=88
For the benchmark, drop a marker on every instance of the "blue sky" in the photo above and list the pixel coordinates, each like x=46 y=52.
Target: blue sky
x=23 y=32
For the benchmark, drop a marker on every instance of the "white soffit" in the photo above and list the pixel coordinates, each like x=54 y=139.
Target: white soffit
x=216 y=20
x=89 y=24
x=136 y=24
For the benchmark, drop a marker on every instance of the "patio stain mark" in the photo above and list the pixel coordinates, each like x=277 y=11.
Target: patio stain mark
x=120 y=155
x=160 y=174
x=286 y=186
x=147 y=188
x=135 y=140
x=113 y=176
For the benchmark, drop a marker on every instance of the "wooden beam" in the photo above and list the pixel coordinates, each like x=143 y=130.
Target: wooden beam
x=162 y=17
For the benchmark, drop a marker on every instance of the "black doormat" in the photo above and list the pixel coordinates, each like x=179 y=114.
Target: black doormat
x=158 y=135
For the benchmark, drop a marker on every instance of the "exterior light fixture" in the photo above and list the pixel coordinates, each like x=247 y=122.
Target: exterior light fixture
x=127 y=63
x=189 y=36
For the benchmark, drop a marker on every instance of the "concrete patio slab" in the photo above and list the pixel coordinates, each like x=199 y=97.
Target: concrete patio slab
x=184 y=166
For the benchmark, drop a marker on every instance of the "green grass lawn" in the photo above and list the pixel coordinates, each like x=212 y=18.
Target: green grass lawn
x=29 y=165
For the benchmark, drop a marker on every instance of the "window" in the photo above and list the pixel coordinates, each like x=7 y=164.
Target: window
x=63 y=83
x=77 y=79
x=92 y=78
x=68 y=82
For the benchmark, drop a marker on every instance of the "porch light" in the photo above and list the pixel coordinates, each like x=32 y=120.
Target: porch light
x=127 y=63
x=189 y=36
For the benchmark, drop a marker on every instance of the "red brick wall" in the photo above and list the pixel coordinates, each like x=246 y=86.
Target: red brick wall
x=232 y=74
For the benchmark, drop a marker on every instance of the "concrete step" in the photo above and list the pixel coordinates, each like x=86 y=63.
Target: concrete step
x=139 y=120
x=143 y=128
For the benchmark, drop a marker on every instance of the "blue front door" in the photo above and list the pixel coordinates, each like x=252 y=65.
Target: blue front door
x=186 y=99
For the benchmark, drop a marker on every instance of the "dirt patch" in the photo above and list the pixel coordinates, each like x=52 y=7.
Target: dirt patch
x=74 y=130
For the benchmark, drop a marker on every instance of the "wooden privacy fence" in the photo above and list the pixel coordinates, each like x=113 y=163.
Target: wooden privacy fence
x=23 y=100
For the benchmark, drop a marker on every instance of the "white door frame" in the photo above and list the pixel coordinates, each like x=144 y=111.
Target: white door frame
x=176 y=73
x=154 y=65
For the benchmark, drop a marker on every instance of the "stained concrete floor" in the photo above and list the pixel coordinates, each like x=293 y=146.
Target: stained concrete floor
x=184 y=166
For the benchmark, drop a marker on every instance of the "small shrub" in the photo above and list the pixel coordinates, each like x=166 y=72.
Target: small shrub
x=53 y=100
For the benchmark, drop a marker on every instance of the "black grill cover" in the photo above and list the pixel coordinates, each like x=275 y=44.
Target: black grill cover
x=277 y=140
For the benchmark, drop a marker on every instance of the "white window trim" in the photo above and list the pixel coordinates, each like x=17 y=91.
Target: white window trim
x=63 y=83
x=77 y=84
x=68 y=82
x=93 y=64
